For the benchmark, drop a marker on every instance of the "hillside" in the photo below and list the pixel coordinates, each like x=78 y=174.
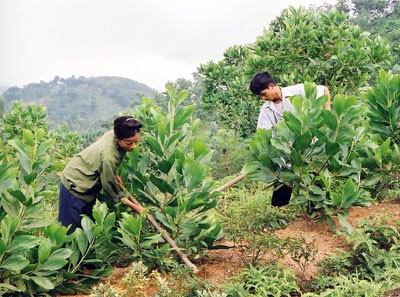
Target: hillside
x=82 y=104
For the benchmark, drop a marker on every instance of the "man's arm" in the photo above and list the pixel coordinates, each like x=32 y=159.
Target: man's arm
x=328 y=104
x=108 y=182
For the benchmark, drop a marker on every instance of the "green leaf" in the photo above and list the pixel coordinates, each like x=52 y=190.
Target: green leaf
x=57 y=259
x=292 y=122
x=9 y=287
x=161 y=184
x=15 y=263
x=346 y=225
x=329 y=119
x=183 y=115
x=23 y=243
x=166 y=220
x=336 y=198
x=45 y=146
x=199 y=148
x=316 y=190
x=193 y=174
x=99 y=213
x=43 y=282
x=20 y=147
x=87 y=226
x=174 y=138
x=154 y=145
x=28 y=137
x=165 y=166
x=19 y=195
x=161 y=131
x=296 y=158
x=7 y=173
x=332 y=148
x=29 y=178
x=81 y=240
x=109 y=222
x=303 y=142
x=44 y=250
x=181 y=97
x=130 y=224
x=297 y=102
x=339 y=104
x=2 y=248
x=349 y=188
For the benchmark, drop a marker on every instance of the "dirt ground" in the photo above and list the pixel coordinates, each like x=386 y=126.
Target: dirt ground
x=221 y=265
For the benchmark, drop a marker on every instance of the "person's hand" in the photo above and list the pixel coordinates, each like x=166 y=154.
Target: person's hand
x=118 y=180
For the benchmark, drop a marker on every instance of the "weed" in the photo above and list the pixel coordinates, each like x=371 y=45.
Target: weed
x=105 y=290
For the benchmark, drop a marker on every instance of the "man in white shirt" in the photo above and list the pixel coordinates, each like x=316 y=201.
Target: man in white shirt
x=276 y=102
x=277 y=98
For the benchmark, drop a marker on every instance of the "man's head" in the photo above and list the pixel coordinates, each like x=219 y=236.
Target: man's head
x=264 y=85
x=127 y=132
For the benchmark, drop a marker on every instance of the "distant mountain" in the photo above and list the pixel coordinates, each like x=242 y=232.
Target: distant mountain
x=83 y=104
x=2 y=89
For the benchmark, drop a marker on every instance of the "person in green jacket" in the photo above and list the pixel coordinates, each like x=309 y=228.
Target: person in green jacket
x=94 y=169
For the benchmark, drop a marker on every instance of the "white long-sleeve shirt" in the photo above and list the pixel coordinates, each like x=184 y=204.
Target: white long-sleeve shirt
x=272 y=113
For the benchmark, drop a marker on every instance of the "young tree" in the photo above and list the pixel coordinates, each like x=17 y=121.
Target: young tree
x=300 y=45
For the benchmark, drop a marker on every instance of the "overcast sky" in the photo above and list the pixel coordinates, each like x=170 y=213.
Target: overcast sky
x=150 y=41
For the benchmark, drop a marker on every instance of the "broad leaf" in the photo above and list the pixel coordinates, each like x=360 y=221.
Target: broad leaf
x=43 y=282
x=23 y=243
x=15 y=263
x=57 y=260
x=183 y=115
x=28 y=137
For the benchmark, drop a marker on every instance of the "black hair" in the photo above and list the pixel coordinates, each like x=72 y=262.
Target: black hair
x=260 y=82
x=126 y=126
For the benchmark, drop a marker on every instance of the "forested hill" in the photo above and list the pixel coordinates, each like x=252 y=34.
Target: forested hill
x=83 y=104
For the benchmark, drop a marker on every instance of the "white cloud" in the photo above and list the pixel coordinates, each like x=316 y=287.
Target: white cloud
x=150 y=41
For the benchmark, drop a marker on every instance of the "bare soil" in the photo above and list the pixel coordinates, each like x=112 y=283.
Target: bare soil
x=221 y=265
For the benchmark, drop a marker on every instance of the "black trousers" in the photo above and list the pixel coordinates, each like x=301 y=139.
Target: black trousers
x=281 y=196
x=71 y=208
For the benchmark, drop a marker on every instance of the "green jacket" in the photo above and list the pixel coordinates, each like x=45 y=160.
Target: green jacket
x=94 y=169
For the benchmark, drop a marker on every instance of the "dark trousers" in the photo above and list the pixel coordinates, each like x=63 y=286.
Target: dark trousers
x=71 y=208
x=281 y=196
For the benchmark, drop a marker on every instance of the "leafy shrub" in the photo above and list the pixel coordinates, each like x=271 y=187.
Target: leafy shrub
x=350 y=286
x=170 y=175
x=263 y=281
x=230 y=152
x=36 y=255
x=372 y=263
x=384 y=106
x=318 y=153
x=254 y=239
x=382 y=164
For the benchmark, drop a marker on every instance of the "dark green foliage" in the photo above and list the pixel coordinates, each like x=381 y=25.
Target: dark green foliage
x=225 y=92
x=317 y=152
x=379 y=17
x=299 y=45
x=254 y=239
x=169 y=173
x=230 y=152
x=384 y=107
x=36 y=255
x=319 y=47
x=81 y=104
x=373 y=260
